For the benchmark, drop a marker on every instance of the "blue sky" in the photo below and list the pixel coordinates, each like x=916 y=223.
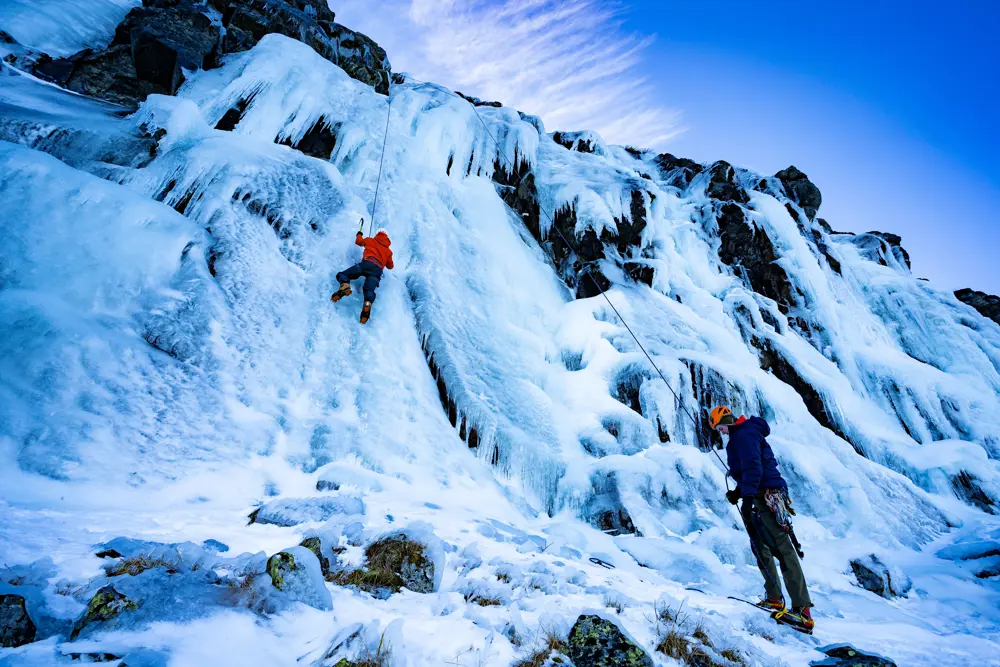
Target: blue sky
x=890 y=107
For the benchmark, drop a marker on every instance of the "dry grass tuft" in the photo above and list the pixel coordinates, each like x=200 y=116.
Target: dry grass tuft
x=136 y=565
x=550 y=642
x=614 y=602
x=733 y=655
x=674 y=645
x=475 y=597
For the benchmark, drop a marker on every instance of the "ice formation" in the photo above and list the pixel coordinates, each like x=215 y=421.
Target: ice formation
x=170 y=360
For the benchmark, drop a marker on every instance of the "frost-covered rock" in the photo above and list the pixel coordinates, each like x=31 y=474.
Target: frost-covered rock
x=296 y=573
x=583 y=142
x=106 y=605
x=293 y=511
x=315 y=545
x=874 y=575
x=597 y=642
x=16 y=627
x=843 y=655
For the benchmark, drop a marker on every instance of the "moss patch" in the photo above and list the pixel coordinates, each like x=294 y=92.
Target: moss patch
x=105 y=605
x=278 y=566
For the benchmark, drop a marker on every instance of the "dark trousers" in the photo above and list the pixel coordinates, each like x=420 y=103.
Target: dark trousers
x=770 y=542
x=372 y=273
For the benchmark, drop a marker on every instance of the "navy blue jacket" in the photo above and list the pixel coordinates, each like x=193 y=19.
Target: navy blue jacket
x=751 y=461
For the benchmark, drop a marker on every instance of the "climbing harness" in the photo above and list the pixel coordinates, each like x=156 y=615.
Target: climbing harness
x=781 y=506
x=381 y=160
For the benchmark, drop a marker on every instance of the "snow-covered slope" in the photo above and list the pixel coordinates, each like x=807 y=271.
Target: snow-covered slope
x=170 y=359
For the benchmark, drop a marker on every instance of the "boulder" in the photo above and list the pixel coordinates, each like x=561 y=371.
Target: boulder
x=315 y=545
x=16 y=627
x=873 y=575
x=596 y=642
x=843 y=655
x=801 y=190
x=106 y=604
x=988 y=305
x=296 y=572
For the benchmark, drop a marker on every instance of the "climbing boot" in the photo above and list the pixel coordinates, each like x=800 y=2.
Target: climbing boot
x=345 y=290
x=771 y=604
x=799 y=618
x=366 y=311
x=802 y=617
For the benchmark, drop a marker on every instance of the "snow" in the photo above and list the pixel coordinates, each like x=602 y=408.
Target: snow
x=63 y=27
x=170 y=361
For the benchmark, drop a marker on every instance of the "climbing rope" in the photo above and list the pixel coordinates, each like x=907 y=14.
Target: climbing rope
x=680 y=403
x=381 y=160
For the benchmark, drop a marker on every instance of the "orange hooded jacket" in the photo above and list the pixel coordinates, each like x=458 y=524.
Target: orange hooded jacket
x=376 y=249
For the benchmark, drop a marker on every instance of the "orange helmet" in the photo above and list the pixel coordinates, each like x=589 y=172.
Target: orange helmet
x=719 y=414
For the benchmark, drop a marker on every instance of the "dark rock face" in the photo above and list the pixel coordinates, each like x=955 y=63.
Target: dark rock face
x=639 y=272
x=895 y=246
x=848 y=656
x=773 y=361
x=679 y=171
x=750 y=252
x=595 y=642
x=873 y=575
x=987 y=304
x=16 y=627
x=967 y=487
x=318 y=142
x=801 y=190
x=722 y=184
x=157 y=41
x=475 y=101
x=581 y=142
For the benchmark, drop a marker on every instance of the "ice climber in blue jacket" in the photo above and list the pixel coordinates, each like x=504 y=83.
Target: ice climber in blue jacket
x=765 y=509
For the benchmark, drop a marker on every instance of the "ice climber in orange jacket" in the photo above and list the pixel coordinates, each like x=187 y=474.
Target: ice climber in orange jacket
x=377 y=256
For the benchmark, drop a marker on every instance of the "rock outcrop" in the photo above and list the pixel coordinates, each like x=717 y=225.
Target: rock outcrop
x=596 y=642
x=16 y=627
x=988 y=305
x=158 y=42
x=801 y=190
x=875 y=576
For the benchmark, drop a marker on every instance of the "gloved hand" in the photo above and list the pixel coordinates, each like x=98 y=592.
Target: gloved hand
x=733 y=496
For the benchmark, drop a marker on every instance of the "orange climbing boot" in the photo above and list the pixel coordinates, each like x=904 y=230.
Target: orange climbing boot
x=345 y=290
x=366 y=311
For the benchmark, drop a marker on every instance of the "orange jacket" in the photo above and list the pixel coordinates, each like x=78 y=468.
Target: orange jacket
x=376 y=249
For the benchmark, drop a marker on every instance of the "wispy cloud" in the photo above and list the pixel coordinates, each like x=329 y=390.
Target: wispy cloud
x=569 y=61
